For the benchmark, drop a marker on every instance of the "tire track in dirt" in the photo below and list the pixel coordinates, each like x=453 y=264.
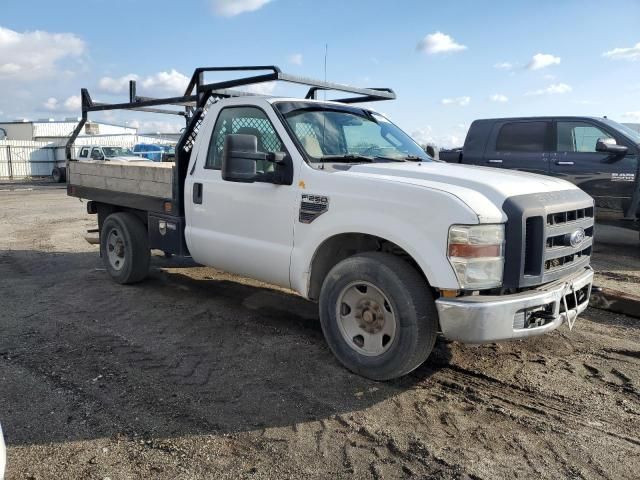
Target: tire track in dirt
x=536 y=406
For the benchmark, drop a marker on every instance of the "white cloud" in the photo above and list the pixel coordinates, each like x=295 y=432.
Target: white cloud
x=71 y=104
x=453 y=138
x=231 y=8
x=460 y=101
x=498 y=97
x=554 y=89
x=542 y=60
x=31 y=55
x=51 y=104
x=635 y=116
x=628 y=53
x=504 y=66
x=439 y=42
x=116 y=85
x=295 y=59
x=172 y=82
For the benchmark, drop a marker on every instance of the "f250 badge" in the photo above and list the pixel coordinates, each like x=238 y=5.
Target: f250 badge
x=312 y=206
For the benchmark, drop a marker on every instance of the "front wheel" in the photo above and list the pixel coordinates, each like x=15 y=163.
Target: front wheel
x=378 y=315
x=124 y=247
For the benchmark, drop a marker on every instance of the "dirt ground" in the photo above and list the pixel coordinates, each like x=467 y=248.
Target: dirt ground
x=617 y=259
x=195 y=374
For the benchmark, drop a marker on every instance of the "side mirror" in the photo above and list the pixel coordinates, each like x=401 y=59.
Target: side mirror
x=239 y=156
x=609 y=145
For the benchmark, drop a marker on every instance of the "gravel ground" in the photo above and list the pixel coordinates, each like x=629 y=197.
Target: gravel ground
x=617 y=259
x=198 y=374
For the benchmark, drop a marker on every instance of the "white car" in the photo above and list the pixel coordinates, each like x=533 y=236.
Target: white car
x=111 y=154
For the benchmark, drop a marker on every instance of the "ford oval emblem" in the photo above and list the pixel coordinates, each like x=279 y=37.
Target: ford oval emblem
x=577 y=237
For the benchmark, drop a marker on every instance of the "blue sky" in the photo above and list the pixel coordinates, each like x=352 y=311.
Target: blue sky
x=449 y=62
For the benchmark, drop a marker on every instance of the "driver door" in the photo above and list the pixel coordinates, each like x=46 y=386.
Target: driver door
x=600 y=174
x=243 y=228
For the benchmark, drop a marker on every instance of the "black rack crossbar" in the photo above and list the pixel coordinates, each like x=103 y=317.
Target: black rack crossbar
x=367 y=94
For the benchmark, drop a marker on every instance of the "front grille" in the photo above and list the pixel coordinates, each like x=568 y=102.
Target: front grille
x=564 y=260
x=548 y=236
x=559 y=218
x=552 y=257
x=559 y=252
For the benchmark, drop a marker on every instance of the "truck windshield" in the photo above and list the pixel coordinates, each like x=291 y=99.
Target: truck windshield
x=329 y=134
x=111 y=152
x=630 y=133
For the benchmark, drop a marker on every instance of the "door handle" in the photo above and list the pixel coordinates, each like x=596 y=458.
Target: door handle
x=494 y=160
x=564 y=163
x=197 y=193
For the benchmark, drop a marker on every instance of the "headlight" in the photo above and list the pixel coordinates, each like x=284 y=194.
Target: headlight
x=476 y=253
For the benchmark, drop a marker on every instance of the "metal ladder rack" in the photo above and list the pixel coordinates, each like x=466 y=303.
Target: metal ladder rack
x=194 y=103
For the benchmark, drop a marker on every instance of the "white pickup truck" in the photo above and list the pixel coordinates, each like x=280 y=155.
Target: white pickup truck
x=98 y=152
x=334 y=201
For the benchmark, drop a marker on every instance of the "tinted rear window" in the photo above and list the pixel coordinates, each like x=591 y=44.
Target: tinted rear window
x=522 y=137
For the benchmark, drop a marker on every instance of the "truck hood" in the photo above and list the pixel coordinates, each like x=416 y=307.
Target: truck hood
x=483 y=189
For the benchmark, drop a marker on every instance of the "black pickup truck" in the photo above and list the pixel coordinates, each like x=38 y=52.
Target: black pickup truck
x=600 y=156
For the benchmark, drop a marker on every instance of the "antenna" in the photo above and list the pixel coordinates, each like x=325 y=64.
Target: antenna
x=326 y=53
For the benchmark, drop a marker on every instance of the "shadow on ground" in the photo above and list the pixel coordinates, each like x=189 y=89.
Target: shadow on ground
x=189 y=351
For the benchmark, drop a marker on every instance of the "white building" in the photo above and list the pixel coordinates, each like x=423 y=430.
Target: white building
x=55 y=131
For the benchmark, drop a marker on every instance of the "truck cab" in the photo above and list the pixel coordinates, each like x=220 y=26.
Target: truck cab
x=334 y=201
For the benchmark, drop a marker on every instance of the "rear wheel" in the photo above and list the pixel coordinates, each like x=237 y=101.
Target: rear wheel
x=124 y=247
x=378 y=315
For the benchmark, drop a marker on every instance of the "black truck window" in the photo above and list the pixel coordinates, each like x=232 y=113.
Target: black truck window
x=522 y=137
x=578 y=137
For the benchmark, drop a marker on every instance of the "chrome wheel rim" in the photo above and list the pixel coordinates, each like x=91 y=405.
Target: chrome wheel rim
x=115 y=249
x=366 y=319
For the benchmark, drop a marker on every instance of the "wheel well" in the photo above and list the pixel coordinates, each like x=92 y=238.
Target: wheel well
x=105 y=209
x=337 y=248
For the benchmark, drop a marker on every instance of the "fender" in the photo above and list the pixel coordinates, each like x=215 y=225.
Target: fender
x=420 y=231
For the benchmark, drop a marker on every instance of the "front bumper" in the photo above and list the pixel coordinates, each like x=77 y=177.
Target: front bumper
x=481 y=319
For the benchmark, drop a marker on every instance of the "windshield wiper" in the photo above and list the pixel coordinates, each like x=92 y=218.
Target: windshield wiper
x=408 y=158
x=348 y=157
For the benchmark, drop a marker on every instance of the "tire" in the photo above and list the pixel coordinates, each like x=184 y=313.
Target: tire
x=124 y=247
x=56 y=175
x=405 y=296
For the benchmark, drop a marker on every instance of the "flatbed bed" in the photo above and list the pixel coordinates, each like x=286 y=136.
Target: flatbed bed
x=139 y=178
